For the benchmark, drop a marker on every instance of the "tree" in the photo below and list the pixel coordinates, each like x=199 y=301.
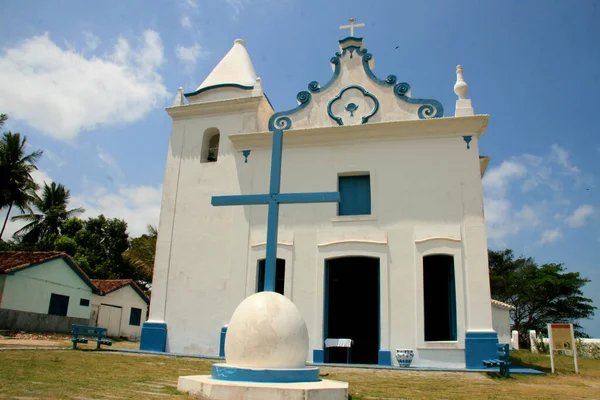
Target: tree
x=141 y=254
x=17 y=187
x=52 y=214
x=100 y=243
x=540 y=294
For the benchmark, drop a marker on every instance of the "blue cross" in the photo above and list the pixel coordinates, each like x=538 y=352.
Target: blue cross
x=273 y=199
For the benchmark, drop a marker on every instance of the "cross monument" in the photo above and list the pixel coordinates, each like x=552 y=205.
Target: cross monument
x=274 y=198
x=352 y=26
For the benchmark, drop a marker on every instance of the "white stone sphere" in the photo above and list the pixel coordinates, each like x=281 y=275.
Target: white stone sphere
x=266 y=331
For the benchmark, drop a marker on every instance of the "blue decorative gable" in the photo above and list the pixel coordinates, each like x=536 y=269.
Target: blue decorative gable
x=351 y=50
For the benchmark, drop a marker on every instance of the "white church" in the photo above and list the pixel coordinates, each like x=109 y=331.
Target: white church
x=400 y=262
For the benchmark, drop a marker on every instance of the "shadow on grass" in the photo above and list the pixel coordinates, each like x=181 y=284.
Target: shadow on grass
x=519 y=362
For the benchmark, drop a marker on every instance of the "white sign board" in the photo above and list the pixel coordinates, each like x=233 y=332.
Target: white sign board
x=562 y=337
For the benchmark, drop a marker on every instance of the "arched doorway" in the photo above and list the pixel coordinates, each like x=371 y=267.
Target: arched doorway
x=352 y=304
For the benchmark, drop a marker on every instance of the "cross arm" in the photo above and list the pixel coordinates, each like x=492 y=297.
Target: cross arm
x=317 y=197
x=240 y=200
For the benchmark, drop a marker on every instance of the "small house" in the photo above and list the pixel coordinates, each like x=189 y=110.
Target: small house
x=43 y=292
x=120 y=306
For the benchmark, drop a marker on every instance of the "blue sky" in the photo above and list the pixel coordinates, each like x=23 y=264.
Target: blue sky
x=88 y=81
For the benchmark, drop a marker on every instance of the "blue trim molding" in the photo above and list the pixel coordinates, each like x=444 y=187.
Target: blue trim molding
x=430 y=108
x=220 y=85
x=318 y=356
x=480 y=346
x=385 y=357
x=222 y=341
x=365 y=118
x=350 y=39
x=280 y=120
x=224 y=372
x=154 y=337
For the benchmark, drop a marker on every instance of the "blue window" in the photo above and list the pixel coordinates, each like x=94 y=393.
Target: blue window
x=355 y=195
x=135 y=316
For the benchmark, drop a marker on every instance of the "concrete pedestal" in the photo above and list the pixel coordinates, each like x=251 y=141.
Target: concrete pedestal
x=205 y=387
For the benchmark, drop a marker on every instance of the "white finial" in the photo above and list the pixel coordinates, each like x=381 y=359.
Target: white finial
x=463 y=105
x=460 y=87
x=178 y=98
x=258 y=90
x=240 y=41
x=352 y=26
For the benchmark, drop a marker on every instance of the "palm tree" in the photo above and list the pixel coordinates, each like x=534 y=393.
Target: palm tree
x=17 y=187
x=52 y=213
x=141 y=253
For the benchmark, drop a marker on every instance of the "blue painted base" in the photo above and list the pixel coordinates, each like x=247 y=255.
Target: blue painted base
x=154 y=336
x=224 y=372
x=385 y=357
x=480 y=346
x=318 y=356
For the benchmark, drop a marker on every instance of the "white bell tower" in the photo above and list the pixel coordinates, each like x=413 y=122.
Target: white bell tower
x=202 y=162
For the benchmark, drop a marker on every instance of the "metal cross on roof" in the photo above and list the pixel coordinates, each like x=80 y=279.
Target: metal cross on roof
x=352 y=26
x=273 y=200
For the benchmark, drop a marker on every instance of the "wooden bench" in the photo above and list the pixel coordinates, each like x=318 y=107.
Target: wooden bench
x=92 y=332
x=503 y=360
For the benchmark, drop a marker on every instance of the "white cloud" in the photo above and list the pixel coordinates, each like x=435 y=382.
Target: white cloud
x=562 y=157
x=91 y=41
x=62 y=92
x=190 y=54
x=191 y=3
x=497 y=180
x=550 y=236
x=186 y=22
x=107 y=159
x=580 y=216
x=536 y=183
x=138 y=205
x=236 y=5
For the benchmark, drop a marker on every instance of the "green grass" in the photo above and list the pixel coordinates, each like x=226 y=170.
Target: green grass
x=100 y=374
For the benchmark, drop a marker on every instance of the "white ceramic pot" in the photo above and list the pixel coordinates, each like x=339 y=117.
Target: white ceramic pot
x=404 y=357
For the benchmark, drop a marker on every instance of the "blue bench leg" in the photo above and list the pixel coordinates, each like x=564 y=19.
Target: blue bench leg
x=75 y=342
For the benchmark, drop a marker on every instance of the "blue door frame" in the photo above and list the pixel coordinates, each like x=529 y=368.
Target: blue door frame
x=384 y=356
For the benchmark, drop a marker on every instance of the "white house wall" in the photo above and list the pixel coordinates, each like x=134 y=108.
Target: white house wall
x=126 y=298
x=29 y=289
x=501 y=318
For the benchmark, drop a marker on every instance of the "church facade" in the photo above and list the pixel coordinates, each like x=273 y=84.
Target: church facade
x=400 y=263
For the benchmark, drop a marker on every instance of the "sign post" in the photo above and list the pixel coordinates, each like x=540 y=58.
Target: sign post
x=562 y=337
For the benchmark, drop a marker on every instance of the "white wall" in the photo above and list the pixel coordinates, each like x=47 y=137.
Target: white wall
x=126 y=298
x=501 y=318
x=30 y=289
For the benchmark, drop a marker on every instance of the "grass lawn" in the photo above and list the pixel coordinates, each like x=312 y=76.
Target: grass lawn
x=87 y=374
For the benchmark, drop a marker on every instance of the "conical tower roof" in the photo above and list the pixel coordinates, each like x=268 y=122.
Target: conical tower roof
x=235 y=68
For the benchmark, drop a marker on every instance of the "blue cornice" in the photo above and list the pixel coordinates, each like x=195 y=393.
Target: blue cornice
x=221 y=85
x=430 y=108
x=350 y=39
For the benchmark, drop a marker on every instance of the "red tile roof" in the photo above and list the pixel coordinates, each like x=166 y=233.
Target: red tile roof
x=14 y=260
x=106 y=286
x=11 y=261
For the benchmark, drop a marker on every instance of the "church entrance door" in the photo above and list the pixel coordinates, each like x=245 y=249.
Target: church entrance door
x=352 y=309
